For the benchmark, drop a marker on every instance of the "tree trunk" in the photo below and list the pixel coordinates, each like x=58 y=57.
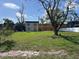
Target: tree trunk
x=56 y=32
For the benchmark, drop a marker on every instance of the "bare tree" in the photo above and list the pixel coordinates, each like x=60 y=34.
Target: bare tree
x=20 y=26
x=21 y=16
x=56 y=16
x=41 y=20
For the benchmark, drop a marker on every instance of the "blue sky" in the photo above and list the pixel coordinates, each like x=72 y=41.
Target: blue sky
x=33 y=9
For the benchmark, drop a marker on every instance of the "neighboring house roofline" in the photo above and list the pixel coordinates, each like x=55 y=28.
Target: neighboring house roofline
x=32 y=21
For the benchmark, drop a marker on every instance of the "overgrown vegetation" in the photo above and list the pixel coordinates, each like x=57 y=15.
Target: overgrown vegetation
x=7 y=30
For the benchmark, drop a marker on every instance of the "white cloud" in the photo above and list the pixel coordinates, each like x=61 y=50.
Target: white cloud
x=73 y=5
x=27 y=17
x=19 y=15
x=10 y=18
x=11 y=5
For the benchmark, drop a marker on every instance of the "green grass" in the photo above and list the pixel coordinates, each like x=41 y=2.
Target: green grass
x=43 y=41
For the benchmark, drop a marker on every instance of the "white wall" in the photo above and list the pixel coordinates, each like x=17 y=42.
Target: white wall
x=31 y=27
x=74 y=29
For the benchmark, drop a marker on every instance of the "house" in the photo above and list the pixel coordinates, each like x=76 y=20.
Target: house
x=70 y=24
x=45 y=27
x=48 y=27
x=31 y=25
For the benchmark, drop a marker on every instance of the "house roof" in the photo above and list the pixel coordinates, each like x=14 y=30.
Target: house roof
x=32 y=21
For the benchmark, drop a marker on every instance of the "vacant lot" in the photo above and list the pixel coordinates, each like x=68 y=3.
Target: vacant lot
x=43 y=41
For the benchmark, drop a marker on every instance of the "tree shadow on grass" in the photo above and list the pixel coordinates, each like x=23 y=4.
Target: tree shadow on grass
x=73 y=39
x=6 y=45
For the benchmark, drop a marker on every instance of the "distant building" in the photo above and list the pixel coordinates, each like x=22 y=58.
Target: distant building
x=45 y=27
x=31 y=25
x=48 y=27
x=73 y=24
x=36 y=26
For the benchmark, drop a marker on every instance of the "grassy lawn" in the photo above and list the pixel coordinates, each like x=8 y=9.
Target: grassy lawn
x=43 y=41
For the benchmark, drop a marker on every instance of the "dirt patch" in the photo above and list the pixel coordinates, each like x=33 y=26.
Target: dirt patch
x=32 y=53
